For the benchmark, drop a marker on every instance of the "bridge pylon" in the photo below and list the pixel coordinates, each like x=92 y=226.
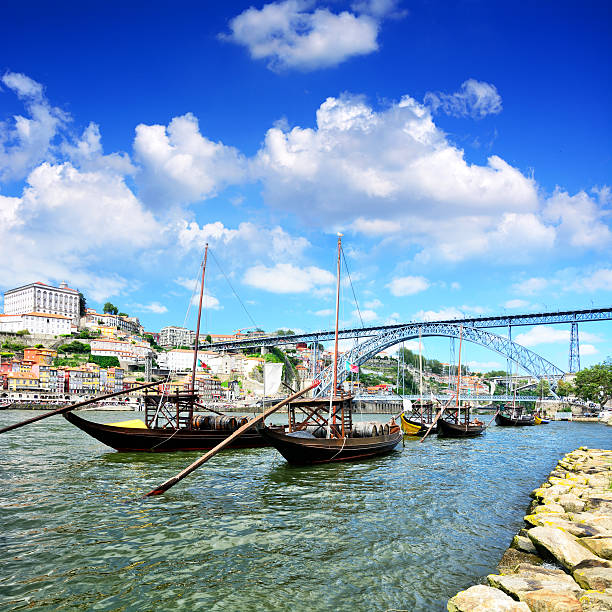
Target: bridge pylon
x=574 y=350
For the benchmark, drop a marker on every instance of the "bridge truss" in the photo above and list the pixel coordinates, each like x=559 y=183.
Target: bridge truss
x=529 y=361
x=508 y=321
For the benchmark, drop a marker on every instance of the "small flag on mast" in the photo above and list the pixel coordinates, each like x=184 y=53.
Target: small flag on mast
x=350 y=367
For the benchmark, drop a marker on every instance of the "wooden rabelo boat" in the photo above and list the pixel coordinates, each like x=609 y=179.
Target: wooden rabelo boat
x=171 y=421
x=321 y=430
x=307 y=440
x=419 y=419
x=513 y=416
x=539 y=420
x=450 y=424
x=170 y=425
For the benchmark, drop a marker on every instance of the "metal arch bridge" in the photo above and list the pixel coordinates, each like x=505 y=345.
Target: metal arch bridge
x=518 y=320
x=531 y=362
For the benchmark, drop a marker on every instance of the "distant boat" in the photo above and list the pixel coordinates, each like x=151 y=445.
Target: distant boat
x=5 y=405
x=461 y=429
x=514 y=417
x=452 y=426
x=419 y=420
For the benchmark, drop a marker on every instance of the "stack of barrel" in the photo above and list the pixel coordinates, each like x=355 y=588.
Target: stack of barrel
x=218 y=422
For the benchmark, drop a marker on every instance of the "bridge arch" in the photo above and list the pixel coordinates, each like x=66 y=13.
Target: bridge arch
x=531 y=362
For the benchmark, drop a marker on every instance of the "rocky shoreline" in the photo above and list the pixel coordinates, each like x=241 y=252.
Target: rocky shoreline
x=562 y=560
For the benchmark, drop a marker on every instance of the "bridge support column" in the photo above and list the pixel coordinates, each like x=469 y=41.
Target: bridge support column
x=574 y=350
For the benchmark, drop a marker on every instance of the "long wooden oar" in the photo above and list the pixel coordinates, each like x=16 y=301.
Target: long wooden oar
x=440 y=412
x=211 y=453
x=496 y=413
x=77 y=405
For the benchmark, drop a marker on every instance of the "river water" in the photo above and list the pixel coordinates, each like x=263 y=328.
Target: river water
x=247 y=532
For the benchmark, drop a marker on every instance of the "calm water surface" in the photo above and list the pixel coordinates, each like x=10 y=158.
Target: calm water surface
x=248 y=532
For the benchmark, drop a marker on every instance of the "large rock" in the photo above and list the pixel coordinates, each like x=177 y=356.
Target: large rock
x=549 y=508
x=602 y=547
x=596 y=602
x=571 y=503
x=533 y=578
x=551 y=492
x=593 y=575
x=524 y=544
x=481 y=598
x=554 y=520
x=600 y=521
x=561 y=545
x=512 y=558
x=544 y=600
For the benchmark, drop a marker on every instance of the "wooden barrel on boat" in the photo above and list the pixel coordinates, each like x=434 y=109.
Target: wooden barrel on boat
x=201 y=421
x=385 y=429
x=365 y=430
x=240 y=421
x=227 y=423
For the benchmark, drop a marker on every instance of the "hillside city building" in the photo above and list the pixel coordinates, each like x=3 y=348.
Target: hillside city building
x=176 y=336
x=43 y=298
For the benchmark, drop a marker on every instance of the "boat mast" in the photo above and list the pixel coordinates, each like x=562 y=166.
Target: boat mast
x=197 y=337
x=459 y=374
x=420 y=377
x=335 y=377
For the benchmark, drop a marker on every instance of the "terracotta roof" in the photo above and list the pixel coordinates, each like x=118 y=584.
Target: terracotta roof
x=44 y=314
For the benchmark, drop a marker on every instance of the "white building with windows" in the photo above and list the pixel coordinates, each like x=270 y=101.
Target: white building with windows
x=176 y=336
x=132 y=352
x=36 y=323
x=130 y=325
x=43 y=298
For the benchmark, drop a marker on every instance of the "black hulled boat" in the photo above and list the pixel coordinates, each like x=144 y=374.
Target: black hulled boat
x=306 y=440
x=321 y=430
x=514 y=417
x=454 y=427
x=162 y=434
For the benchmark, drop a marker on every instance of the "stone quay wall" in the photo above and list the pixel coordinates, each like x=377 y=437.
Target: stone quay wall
x=562 y=560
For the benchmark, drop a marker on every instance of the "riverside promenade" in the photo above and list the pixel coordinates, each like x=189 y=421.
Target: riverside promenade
x=562 y=560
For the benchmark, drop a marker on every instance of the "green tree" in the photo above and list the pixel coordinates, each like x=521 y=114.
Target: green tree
x=124 y=314
x=110 y=308
x=284 y=332
x=594 y=384
x=82 y=304
x=209 y=339
x=104 y=361
x=495 y=373
x=74 y=347
x=564 y=389
x=542 y=388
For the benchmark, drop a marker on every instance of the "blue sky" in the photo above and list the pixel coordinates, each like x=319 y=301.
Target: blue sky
x=462 y=148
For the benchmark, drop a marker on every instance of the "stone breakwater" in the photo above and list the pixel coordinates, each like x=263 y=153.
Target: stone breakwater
x=562 y=560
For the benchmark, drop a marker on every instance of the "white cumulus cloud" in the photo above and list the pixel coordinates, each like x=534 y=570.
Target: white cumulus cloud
x=287 y=278
x=27 y=140
x=246 y=241
x=154 y=307
x=408 y=285
x=180 y=165
x=290 y=35
x=63 y=225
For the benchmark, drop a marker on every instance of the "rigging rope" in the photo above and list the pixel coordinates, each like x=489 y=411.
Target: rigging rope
x=234 y=291
x=351 y=283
